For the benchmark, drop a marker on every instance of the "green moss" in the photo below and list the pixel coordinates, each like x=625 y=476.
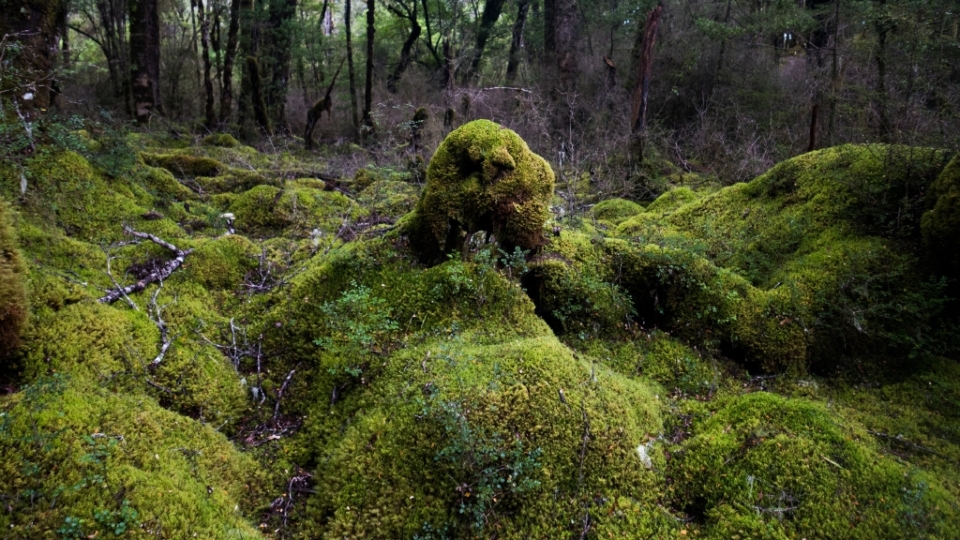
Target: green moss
x=671 y=200
x=482 y=177
x=183 y=165
x=162 y=183
x=13 y=284
x=255 y=210
x=232 y=181
x=940 y=224
x=388 y=198
x=784 y=468
x=477 y=442
x=615 y=211
x=77 y=461
x=307 y=209
x=222 y=263
x=223 y=140
x=364 y=178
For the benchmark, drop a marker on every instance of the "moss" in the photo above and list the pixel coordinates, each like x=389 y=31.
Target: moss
x=307 y=209
x=388 y=198
x=364 y=178
x=222 y=263
x=232 y=181
x=109 y=464
x=940 y=224
x=222 y=140
x=162 y=183
x=184 y=165
x=479 y=443
x=13 y=284
x=776 y=467
x=671 y=200
x=255 y=210
x=482 y=177
x=615 y=211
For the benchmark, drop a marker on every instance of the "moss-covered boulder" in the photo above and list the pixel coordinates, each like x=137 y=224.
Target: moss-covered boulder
x=77 y=461
x=222 y=140
x=482 y=177
x=766 y=466
x=941 y=222
x=614 y=211
x=13 y=283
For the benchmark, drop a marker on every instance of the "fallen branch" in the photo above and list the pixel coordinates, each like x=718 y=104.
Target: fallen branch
x=283 y=388
x=160 y=274
x=166 y=341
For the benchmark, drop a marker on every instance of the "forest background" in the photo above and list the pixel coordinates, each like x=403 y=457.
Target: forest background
x=729 y=87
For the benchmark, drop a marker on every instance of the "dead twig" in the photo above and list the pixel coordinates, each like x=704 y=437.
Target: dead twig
x=161 y=273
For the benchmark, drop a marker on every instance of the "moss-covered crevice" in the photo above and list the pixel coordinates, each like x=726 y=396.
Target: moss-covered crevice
x=13 y=284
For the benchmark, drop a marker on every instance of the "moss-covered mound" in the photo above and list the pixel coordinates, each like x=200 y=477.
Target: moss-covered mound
x=614 y=211
x=80 y=462
x=13 y=284
x=941 y=222
x=483 y=177
x=772 y=467
x=184 y=165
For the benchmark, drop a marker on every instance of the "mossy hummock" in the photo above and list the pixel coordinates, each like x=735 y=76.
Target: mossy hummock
x=483 y=177
x=13 y=284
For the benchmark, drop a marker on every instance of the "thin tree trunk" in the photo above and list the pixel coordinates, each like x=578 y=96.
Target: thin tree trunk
x=397 y=73
x=368 y=83
x=880 y=55
x=567 y=36
x=210 y=115
x=516 y=43
x=256 y=95
x=277 y=48
x=491 y=13
x=549 y=30
x=350 y=71
x=144 y=58
x=226 y=91
x=835 y=73
x=638 y=114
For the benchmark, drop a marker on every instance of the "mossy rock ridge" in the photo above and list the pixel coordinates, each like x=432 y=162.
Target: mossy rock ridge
x=13 y=284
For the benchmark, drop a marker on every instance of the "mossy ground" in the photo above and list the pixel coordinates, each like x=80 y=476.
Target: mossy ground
x=772 y=359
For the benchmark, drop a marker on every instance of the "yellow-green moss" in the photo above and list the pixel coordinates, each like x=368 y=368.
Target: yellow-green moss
x=222 y=263
x=671 y=200
x=484 y=440
x=482 y=177
x=13 y=284
x=255 y=210
x=184 y=165
x=223 y=140
x=162 y=183
x=388 y=198
x=232 y=180
x=78 y=462
x=615 y=211
x=768 y=466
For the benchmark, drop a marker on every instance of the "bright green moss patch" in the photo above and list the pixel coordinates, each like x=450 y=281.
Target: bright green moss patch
x=482 y=177
x=223 y=262
x=388 y=198
x=615 y=210
x=671 y=200
x=479 y=441
x=785 y=468
x=77 y=461
x=223 y=140
x=13 y=283
x=184 y=165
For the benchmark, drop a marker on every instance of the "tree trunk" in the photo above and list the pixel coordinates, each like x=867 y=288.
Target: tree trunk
x=549 y=30
x=638 y=115
x=226 y=90
x=350 y=71
x=491 y=13
x=210 y=115
x=567 y=36
x=144 y=59
x=411 y=16
x=368 y=127
x=278 y=46
x=256 y=95
x=516 y=43
x=882 y=25
x=34 y=25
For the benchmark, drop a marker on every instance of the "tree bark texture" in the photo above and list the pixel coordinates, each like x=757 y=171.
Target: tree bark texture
x=256 y=95
x=226 y=91
x=350 y=70
x=35 y=26
x=210 y=115
x=368 y=84
x=638 y=113
x=144 y=59
x=567 y=36
x=516 y=43
x=279 y=43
